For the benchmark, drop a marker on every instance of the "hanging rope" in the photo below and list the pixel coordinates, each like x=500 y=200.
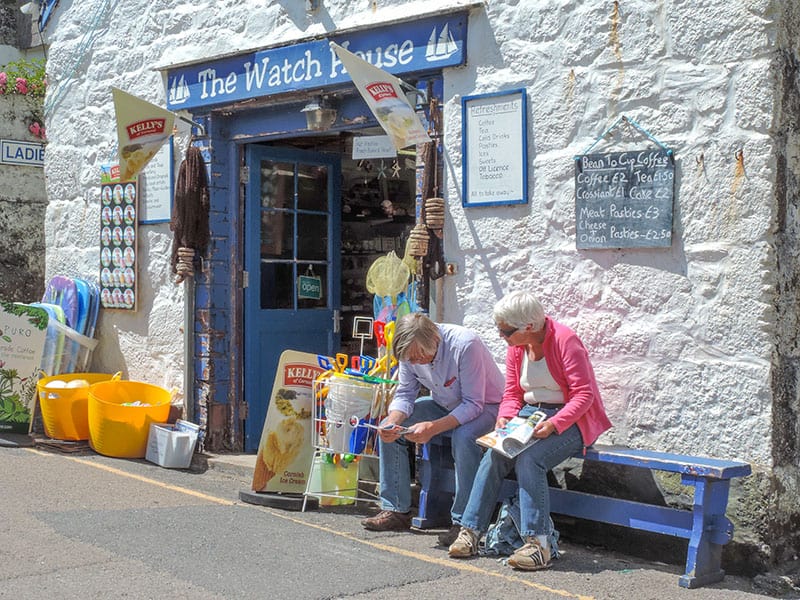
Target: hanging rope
x=190 y=216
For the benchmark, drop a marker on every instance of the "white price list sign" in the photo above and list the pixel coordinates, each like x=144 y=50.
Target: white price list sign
x=494 y=137
x=157 y=185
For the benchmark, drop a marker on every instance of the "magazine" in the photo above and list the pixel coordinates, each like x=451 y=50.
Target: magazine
x=515 y=436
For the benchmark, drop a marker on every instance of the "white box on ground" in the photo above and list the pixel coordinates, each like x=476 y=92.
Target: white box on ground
x=172 y=446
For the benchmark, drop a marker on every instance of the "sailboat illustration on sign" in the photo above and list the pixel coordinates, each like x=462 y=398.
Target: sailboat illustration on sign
x=442 y=46
x=178 y=91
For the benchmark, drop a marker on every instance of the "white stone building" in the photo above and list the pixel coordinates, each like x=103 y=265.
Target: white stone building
x=695 y=344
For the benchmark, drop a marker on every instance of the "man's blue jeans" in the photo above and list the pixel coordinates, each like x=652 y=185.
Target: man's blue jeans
x=396 y=471
x=531 y=467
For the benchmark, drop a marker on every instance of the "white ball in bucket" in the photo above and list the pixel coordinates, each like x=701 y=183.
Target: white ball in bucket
x=56 y=384
x=77 y=383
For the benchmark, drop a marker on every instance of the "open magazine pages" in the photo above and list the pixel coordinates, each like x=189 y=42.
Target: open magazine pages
x=515 y=436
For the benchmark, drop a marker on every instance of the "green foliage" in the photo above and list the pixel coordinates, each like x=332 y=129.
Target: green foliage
x=11 y=408
x=36 y=316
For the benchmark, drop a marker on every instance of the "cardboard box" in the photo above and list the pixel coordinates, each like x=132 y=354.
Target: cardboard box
x=172 y=446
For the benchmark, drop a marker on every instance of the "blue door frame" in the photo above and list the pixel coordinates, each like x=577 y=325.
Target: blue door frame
x=292 y=229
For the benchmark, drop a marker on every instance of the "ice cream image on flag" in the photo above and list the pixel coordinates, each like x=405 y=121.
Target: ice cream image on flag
x=142 y=128
x=384 y=95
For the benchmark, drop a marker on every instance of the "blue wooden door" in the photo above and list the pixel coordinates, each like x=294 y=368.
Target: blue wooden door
x=292 y=259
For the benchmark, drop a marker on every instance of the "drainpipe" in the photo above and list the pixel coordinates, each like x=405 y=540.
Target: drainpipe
x=188 y=348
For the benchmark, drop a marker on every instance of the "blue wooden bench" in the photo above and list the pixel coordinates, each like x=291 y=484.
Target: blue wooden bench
x=705 y=526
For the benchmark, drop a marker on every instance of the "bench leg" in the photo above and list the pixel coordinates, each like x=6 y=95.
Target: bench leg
x=437 y=482
x=710 y=531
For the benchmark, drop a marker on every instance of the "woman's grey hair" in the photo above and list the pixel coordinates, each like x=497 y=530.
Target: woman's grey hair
x=415 y=328
x=518 y=309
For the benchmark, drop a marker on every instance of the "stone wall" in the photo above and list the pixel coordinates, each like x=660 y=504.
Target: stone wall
x=786 y=374
x=23 y=201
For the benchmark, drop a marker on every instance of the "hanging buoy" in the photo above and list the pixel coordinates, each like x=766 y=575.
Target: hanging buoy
x=434 y=213
x=185 y=265
x=418 y=241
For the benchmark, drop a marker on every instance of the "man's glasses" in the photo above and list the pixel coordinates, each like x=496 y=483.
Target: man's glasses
x=507 y=333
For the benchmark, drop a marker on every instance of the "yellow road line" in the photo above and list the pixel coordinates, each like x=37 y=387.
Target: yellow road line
x=458 y=565
x=116 y=471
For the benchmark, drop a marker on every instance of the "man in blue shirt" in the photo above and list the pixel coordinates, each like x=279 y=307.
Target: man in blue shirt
x=465 y=386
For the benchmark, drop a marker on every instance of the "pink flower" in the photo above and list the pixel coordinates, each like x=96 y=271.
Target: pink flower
x=3 y=78
x=35 y=128
x=22 y=85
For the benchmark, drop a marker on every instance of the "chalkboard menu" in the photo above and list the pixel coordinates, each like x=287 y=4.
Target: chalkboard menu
x=624 y=199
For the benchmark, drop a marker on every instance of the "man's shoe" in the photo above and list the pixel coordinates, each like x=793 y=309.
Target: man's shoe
x=388 y=520
x=466 y=544
x=530 y=557
x=448 y=537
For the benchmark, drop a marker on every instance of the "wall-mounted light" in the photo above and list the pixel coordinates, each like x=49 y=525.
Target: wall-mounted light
x=320 y=115
x=416 y=98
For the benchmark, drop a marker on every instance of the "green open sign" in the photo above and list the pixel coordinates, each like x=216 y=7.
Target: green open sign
x=309 y=287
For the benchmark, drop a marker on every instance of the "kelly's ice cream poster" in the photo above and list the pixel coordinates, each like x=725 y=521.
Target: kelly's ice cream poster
x=23 y=331
x=384 y=95
x=285 y=452
x=142 y=128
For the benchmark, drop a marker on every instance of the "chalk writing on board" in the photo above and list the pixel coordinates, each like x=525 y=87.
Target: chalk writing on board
x=624 y=199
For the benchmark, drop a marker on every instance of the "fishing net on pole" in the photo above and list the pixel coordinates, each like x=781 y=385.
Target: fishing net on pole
x=190 y=214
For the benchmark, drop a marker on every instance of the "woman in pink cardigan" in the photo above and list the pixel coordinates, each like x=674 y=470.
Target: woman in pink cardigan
x=547 y=369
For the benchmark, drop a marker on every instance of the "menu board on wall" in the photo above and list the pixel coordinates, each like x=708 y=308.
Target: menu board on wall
x=624 y=199
x=156 y=184
x=118 y=233
x=495 y=157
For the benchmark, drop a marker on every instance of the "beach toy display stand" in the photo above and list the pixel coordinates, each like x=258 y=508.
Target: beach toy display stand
x=346 y=409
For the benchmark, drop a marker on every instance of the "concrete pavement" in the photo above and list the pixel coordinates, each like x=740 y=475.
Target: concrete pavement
x=83 y=525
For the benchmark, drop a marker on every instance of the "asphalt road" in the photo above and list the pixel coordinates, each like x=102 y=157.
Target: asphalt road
x=87 y=526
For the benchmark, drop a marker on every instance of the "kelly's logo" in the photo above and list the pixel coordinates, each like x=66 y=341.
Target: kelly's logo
x=381 y=90
x=300 y=375
x=148 y=127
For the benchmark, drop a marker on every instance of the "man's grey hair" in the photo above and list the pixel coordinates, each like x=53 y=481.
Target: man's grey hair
x=415 y=328
x=518 y=309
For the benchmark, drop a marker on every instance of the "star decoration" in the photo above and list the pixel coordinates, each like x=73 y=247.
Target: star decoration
x=382 y=171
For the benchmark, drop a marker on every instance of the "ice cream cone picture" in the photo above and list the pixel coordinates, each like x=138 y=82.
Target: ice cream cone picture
x=261 y=474
x=278 y=449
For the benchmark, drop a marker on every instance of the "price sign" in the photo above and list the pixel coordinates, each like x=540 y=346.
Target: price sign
x=495 y=154
x=624 y=199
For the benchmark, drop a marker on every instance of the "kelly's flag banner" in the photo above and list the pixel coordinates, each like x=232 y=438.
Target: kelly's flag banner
x=384 y=95
x=142 y=128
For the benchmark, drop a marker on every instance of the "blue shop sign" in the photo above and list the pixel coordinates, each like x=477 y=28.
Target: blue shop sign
x=422 y=45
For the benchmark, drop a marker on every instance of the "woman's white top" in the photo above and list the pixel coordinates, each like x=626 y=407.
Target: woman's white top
x=538 y=383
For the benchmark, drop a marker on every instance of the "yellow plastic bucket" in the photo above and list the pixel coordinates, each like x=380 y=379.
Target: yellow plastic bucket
x=121 y=431
x=65 y=411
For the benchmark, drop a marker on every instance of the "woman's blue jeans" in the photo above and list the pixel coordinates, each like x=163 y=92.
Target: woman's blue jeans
x=396 y=471
x=531 y=467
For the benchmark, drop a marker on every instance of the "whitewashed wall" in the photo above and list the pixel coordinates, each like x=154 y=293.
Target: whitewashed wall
x=683 y=339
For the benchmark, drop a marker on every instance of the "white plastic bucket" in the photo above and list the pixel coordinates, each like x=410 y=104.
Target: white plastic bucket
x=346 y=398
